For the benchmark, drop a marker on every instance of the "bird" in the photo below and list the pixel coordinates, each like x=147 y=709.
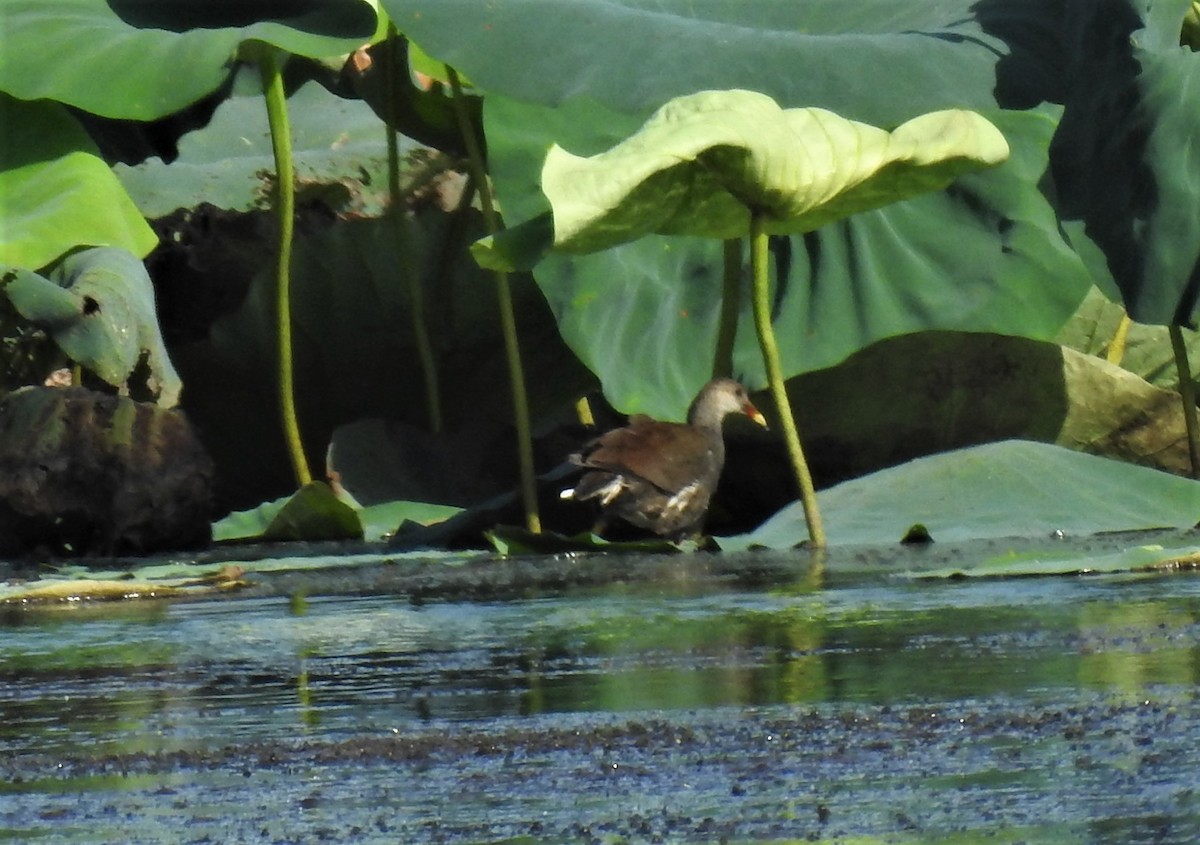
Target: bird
x=660 y=476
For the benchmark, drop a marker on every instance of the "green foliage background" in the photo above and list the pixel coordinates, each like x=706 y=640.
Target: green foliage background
x=1096 y=101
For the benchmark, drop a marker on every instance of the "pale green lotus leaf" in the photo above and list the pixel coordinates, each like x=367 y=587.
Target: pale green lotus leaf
x=98 y=306
x=136 y=60
x=995 y=490
x=703 y=162
x=56 y=192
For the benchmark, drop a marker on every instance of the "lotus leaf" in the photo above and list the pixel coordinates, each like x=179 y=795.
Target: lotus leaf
x=1124 y=158
x=987 y=254
x=704 y=162
x=882 y=60
x=98 y=305
x=1147 y=348
x=338 y=147
x=56 y=192
x=138 y=60
x=1007 y=489
x=314 y=513
x=1148 y=558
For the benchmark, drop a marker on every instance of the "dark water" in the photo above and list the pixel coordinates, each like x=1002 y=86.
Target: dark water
x=871 y=710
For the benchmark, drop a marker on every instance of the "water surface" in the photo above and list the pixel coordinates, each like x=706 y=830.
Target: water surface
x=688 y=709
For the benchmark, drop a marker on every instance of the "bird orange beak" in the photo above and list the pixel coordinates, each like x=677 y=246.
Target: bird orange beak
x=754 y=414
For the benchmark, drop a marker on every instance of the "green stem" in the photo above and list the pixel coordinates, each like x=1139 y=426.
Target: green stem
x=285 y=212
x=508 y=321
x=583 y=412
x=1116 y=346
x=731 y=294
x=1187 y=394
x=404 y=248
x=766 y=340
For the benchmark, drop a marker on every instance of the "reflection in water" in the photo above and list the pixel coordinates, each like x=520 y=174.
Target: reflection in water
x=151 y=678
x=186 y=674
x=1129 y=647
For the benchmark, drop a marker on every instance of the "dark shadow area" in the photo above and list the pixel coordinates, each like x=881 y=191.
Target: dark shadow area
x=335 y=18
x=1031 y=69
x=134 y=141
x=1083 y=56
x=1099 y=158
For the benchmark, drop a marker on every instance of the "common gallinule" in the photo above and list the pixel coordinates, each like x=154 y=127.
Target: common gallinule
x=660 y=476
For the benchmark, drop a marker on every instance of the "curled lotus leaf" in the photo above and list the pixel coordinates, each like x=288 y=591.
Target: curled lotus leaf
x=98 y=306
x=704 y=162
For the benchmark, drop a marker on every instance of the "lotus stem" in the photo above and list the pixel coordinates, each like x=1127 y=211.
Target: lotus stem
x=1116 y=346
x=583 y=412
x=285 y=211
x=508 y=321
x=731 y=295
x=406 y=255
x=1187 y=394
x=770 y=351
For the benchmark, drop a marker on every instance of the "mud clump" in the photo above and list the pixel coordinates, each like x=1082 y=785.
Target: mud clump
x=86 y=473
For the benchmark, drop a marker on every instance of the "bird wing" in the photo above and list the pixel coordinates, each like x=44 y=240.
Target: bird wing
x=670 y=456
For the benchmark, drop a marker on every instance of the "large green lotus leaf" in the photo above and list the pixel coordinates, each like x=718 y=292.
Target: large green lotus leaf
x=1007 y=489
x=987 y=254
x=143 y=60
x=627 y=58
x=703 y=162
x=338 y=147
x=644 y=315
x=1125 y=161
x=928 y=392
x=56 y=193
x=98 y=305
x=880 y=61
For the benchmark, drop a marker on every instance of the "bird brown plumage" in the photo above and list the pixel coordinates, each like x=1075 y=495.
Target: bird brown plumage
x=660 y=476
